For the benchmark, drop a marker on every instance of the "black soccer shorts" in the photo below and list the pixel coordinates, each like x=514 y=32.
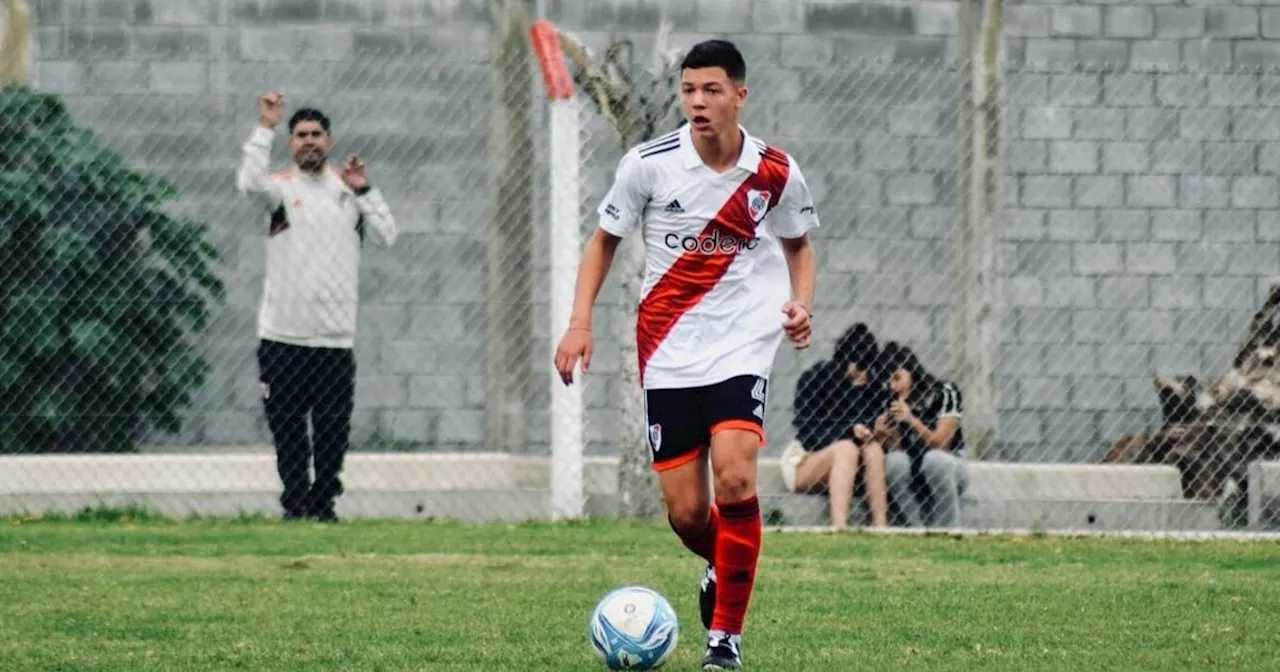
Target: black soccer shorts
x=680 y=422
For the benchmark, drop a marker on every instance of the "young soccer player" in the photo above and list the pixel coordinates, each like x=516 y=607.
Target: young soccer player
x=728 y=270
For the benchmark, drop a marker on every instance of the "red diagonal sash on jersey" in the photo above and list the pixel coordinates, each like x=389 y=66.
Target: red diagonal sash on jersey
x=694 y=274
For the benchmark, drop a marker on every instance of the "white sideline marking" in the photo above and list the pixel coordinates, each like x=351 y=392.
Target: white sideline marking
x=969 y=532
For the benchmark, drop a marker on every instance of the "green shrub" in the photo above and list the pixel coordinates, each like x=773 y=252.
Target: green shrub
x=100 y=289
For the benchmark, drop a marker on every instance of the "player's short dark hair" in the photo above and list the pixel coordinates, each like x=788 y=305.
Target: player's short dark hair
x=309 y=114
x=717 y=54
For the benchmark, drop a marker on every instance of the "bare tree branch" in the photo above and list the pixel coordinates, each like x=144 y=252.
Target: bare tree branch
x=1211 y=431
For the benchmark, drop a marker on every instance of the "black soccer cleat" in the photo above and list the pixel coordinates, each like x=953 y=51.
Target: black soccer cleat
x=723 y=652
x=707 y=596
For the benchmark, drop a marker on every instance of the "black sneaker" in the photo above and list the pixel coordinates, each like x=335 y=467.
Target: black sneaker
x=325 y=515
x=723 y=652
x=707 y=596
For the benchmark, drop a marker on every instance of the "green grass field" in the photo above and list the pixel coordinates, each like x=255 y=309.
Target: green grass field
x=126 y=594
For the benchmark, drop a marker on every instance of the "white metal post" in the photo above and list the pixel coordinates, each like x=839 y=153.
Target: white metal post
x=568 y=498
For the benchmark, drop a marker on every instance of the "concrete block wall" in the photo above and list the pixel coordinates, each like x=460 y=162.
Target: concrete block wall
x=1138 y=229
x=1140 y=211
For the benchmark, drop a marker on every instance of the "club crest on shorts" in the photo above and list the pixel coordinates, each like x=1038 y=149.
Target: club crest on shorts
x=757 y=204
x=655 y=436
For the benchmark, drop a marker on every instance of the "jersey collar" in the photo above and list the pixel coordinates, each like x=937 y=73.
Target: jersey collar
x=748 y=160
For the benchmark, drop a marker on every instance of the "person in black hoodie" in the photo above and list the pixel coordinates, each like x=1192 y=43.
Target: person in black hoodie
x=836 y=403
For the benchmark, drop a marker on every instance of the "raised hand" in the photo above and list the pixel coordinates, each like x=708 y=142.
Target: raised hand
x=354 y=173
x=270 y=109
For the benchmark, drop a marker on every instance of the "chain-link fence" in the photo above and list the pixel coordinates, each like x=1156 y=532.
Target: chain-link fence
x=1136 y=241
x=1135 y=234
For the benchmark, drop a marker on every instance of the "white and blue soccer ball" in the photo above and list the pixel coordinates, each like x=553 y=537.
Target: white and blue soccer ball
x=634 y=628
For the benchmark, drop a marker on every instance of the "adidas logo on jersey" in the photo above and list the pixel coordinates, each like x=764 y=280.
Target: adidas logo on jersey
x=673 y=208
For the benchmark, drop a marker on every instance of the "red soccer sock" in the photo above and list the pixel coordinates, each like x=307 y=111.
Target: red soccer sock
x=702 y=542
x=737 y=552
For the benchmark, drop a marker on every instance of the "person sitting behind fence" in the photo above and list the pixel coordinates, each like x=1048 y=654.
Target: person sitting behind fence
x=835 y=405
x=925 y=464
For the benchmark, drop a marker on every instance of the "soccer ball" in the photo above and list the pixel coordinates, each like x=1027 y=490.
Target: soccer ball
x=634 y=628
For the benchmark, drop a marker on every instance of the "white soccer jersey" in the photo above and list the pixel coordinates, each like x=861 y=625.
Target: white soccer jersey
x=715 y=276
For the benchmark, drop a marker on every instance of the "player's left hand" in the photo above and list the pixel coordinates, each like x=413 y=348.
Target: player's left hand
x=354 y=173
x=798 y=326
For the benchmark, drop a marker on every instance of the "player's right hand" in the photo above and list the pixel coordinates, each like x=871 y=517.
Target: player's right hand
x=270 y=108
x=574 y=345
x=860 y=432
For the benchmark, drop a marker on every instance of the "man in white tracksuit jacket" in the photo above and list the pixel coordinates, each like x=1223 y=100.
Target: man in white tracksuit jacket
x=316 y=218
